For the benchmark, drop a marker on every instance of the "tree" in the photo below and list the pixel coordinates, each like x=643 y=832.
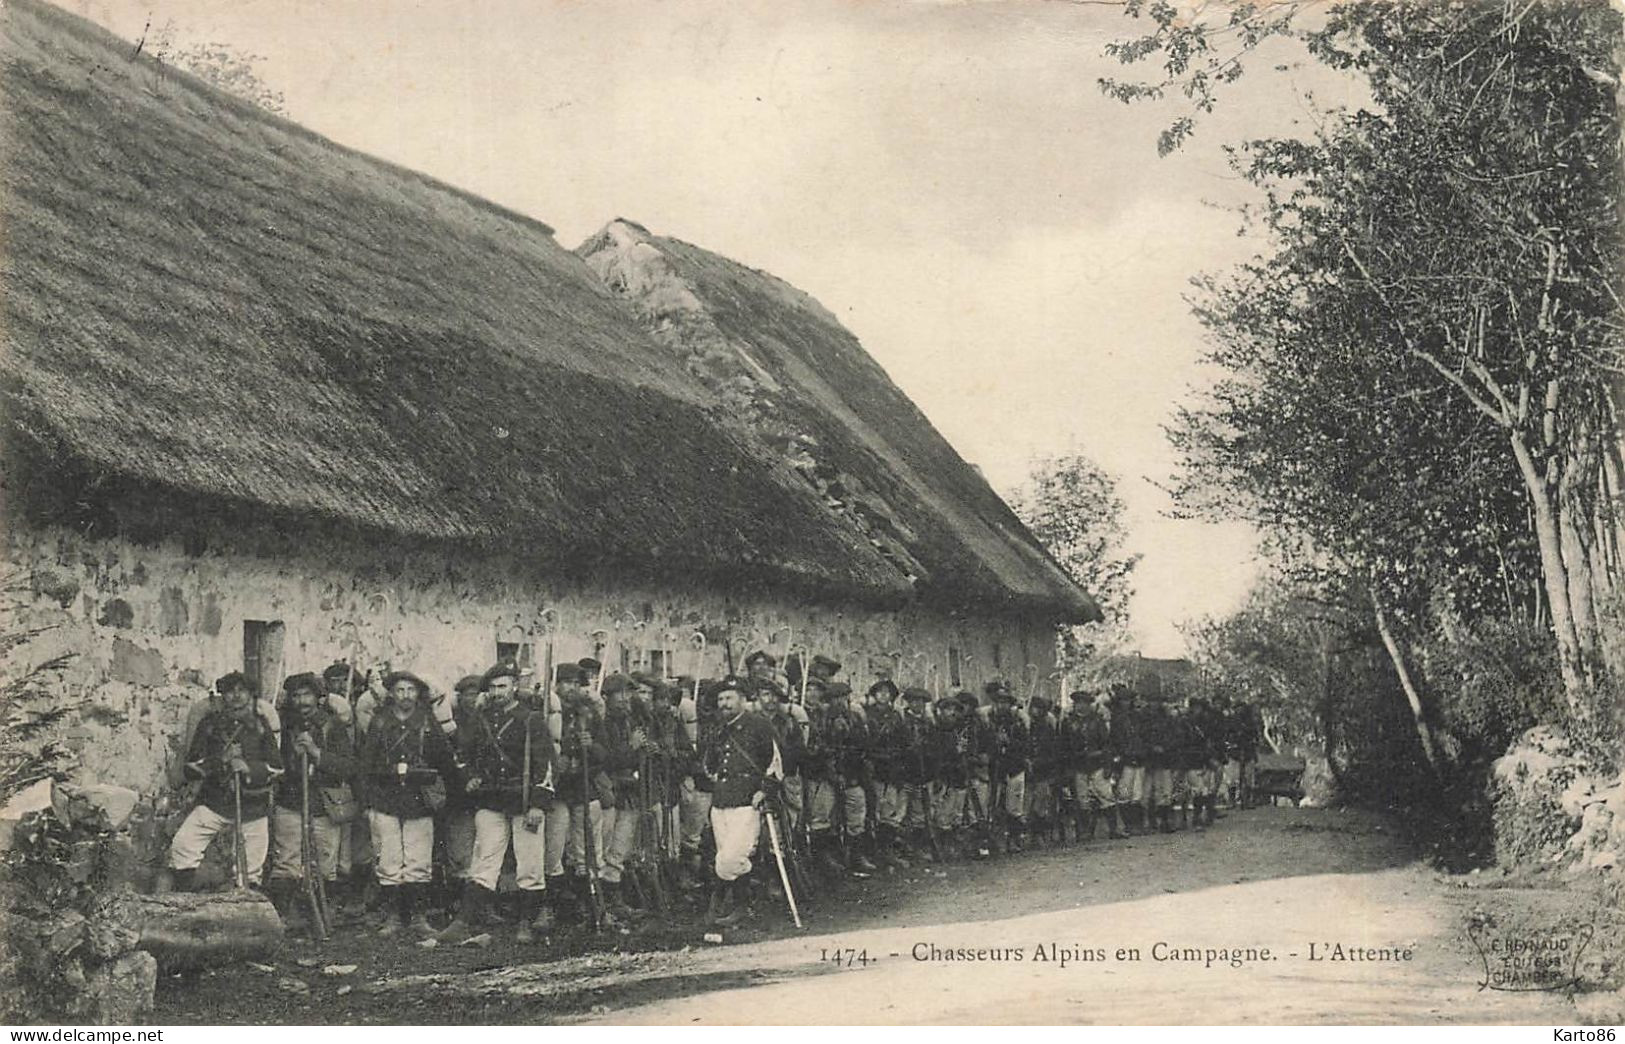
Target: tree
x=1072 y=507
x=1452 y=253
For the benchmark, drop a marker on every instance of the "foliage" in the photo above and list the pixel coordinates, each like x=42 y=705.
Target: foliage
x=1072 y=507
x=222 y=65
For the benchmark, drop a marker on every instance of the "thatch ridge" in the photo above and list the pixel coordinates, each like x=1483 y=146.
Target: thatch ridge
x=817 y=395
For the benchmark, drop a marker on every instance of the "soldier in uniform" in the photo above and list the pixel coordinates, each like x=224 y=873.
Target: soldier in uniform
x=622 y=742
x=915 y=767
x=694 y=793
x=1044 y=772
x=1005 y=763
x=1207 y=744
x=886 y=753
x=455 y=827
x=1129 y=750
x=952 y=746
x=742 y=760
x=582 y=781
x=788 y=732
x=234 y=753
x=502 y=745
x=671 y=754
x=1086 y=740
x=311 y=734
x=1249 y=734
x=405 y=761
x=344 y=689
x=835 y=765
x=1160 y=742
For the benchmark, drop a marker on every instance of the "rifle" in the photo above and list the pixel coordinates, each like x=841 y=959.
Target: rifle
x=778 y=857
x=315 y=885
x=239 y=843
x=925 y=792
x=589 y=848
x=651 y=832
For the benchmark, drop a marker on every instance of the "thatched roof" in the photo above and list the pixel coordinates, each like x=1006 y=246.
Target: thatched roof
x=815 y=396
x=209 y=312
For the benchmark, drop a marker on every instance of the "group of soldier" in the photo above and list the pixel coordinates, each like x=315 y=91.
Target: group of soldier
x=609 y=798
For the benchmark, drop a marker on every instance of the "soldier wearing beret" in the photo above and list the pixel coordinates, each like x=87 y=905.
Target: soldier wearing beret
x=694 y=785
x=743 y=762
x=583 y=783
x=311 y=735
x=455 y=825
x=1129 y=751
x=232 y=743
x=503 y=745
x=788 y=721
x=1085 y=739
x=887 y=743
x=405 y=763
x=760 y=666
x=1002 y=769
x=835 y=772
x=1044 y=771
x=1163 y=735
x=955 y=746
x=916 y=769
x=622 y=742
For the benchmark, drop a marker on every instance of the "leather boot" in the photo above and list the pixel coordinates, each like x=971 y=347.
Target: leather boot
x=861 y=845
x=391 y=922
x=416 y=897
x=720 y=902
x=470 y=914
x=1112 y=831
x=529 y=903
x=184 y=880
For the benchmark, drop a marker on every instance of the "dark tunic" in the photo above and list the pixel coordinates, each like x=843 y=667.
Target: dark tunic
x=739 y=760
x=206 y=760
x=1128 y=735
x=419 y=745
x=916 y=754
x=1006 y=741
x=491 y=745
x=581 y=753
x=1086 y=740
x=837 y=748
x=954 y=746
x=620 y=760
x=336 y=764
x=885 y=743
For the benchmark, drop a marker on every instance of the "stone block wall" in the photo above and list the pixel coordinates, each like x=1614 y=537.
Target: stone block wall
x=151 y=626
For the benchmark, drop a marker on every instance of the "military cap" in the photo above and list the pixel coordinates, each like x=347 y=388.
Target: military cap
x=761 y=656
x=590 y=665
x=835 y=690
x=394 y=678
x=570 y=673
x=825 y=666
x=947 y=705
x=1083 y=696
x=915 y=694
x=469 y=683
x=884 y=685
x=723 y=684
x=337 y=670
x=234 y=680
x=495 y=671
x=305 y=680
x=1003 y=693
x=969 y=701
x=996 y=686
x=615 y=683
x=643 y=679
x=766 y=685
x=668 y=691
x=1039 y=701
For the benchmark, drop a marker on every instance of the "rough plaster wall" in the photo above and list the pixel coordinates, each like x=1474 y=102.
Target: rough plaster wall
x=153 y=626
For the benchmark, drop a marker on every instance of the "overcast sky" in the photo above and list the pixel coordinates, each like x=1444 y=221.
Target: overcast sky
x=946 y=178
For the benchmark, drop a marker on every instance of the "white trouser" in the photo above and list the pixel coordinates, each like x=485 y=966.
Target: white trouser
x=186 y=848
x=288 y=856
x=536 y=853
x=405 y=848
x=736 y=831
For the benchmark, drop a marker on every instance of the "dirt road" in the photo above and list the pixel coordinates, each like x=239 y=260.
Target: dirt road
x=1282 y=886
